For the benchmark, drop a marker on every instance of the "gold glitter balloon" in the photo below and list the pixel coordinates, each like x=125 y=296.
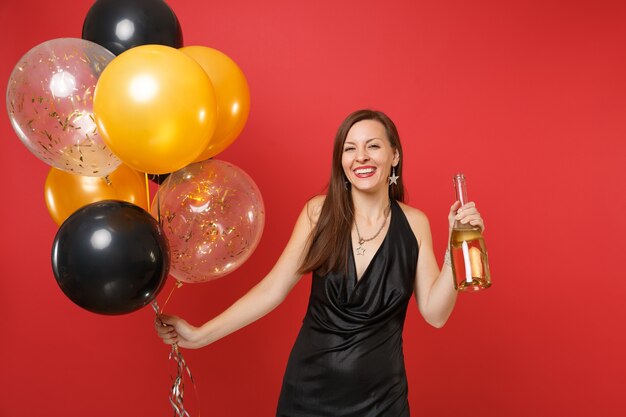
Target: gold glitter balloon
x=49 y=100
x=213 y=216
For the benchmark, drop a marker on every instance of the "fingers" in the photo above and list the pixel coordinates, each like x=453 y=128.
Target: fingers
x=467 y=217
x=163 y=322
x=467 y=206
x=474 y=220
x=163 y=329
x=166 y=331
x=468 y=209
x=169 y=337
x=165 y=319
x=454 y=207
x=479 y=224
x=170 y=340
x=469 y=214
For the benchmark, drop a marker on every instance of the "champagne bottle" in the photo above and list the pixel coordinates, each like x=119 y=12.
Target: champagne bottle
x=468 y=254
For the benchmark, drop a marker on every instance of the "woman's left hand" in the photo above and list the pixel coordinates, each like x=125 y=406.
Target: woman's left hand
x=465 y=214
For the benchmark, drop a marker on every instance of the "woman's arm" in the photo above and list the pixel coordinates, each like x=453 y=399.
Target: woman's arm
x=259 y=301
x=434 y=289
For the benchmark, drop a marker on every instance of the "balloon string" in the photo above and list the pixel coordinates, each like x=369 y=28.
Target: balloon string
x=174 y=288
x=147 y=189
x=177 y=392
x=159 y=219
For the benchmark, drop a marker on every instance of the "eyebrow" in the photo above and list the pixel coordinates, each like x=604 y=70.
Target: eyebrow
x=367 y=141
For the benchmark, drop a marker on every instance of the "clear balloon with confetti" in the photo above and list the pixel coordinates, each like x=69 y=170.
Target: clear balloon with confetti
x=50 y=105
x=213 y=215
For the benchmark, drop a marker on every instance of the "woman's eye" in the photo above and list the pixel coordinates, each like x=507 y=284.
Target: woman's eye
x=348 y=149
x=374 y=146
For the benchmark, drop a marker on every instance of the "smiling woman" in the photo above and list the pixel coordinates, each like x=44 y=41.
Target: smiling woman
x=526 y=97
x=369 y=253
x=368 y=155
x=366 y=148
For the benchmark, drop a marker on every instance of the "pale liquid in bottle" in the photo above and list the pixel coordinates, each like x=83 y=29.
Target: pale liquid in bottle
x=469 y=260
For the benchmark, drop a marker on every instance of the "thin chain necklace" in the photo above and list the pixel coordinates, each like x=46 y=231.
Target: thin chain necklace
x=360 y=250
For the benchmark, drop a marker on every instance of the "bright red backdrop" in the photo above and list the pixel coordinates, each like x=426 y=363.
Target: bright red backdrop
x=526 y=97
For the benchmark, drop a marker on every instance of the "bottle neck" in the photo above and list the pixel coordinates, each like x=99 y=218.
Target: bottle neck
x=460 y=189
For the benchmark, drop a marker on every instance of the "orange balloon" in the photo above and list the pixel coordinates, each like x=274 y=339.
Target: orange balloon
x=65 y=192
x=231 y=92
x=155 y=108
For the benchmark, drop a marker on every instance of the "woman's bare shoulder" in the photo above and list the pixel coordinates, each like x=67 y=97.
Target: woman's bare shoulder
x=314 y=208
x=413 y=214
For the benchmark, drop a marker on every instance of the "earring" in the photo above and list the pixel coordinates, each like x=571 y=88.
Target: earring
x=393 y=178
x=346 y=184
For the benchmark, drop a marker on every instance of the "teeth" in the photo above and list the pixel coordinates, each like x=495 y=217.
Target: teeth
x=364 y=171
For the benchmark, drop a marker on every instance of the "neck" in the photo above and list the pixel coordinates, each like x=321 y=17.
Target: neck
x=370 y=206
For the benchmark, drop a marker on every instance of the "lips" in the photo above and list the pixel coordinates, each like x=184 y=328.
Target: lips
x=364 y=172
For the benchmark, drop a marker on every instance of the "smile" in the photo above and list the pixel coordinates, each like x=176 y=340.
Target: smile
x=364 y=172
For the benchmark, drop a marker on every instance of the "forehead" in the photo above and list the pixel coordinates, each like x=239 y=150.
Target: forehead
x=365 y=130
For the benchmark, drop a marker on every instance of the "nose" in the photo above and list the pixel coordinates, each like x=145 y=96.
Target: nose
x=362 y=155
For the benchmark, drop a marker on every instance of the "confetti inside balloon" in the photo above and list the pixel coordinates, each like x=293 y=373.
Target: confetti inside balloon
x=213 y=216
x=50 y=100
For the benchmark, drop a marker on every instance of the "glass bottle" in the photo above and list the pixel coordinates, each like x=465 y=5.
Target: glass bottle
x=468 y=254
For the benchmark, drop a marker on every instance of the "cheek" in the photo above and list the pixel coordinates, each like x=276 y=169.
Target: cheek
x=346 y=162
x=383 y=159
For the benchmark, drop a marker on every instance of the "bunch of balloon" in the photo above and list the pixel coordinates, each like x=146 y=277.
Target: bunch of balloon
x=50 y=101
x=128 y=98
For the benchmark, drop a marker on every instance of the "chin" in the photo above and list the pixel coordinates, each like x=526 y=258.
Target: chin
x=368 y=188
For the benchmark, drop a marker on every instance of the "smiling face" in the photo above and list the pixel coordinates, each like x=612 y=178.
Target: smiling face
x=368 y=156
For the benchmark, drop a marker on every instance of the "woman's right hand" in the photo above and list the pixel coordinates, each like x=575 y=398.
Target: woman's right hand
x=174 y=330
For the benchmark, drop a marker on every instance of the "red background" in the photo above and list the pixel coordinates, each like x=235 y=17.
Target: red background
x=526 y=97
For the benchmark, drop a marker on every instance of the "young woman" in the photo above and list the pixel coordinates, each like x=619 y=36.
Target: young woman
x=369 y=253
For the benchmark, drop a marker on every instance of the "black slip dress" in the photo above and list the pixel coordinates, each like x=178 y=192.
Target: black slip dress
x=347 y=360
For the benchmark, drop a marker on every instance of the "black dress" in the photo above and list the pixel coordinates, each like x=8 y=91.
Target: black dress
x=347 y=360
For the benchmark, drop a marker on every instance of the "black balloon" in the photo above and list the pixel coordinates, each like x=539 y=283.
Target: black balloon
x=119 y=25
x=110 y=257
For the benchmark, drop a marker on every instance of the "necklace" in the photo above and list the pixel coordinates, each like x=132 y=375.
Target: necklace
x=360 y=250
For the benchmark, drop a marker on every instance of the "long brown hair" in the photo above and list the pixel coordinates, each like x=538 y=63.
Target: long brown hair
x=328 y=241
